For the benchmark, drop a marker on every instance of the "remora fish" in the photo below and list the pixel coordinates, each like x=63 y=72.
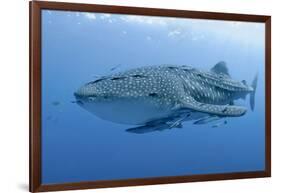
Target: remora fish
x=162 y=97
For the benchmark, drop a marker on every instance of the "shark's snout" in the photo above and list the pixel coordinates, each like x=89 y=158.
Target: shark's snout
x=85 y=92
x=78 y=95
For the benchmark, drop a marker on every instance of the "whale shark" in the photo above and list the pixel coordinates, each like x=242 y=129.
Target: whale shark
x=155 y=98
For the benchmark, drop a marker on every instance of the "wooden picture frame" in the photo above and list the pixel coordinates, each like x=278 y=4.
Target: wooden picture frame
x=35 y=94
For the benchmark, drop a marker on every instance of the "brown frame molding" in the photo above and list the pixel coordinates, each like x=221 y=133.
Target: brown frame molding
x=35 y=8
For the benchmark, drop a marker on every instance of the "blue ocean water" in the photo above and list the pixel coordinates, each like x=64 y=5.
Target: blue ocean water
x=78 y=47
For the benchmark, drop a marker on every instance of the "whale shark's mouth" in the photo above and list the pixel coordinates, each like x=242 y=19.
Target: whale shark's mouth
x=81 y=95
x=82 y=98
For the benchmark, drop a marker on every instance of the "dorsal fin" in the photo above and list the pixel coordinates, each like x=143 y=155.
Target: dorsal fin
x=220 y=68
x=244 y=82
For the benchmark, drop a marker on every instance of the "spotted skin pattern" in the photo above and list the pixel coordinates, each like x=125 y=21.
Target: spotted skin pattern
x=171 y=87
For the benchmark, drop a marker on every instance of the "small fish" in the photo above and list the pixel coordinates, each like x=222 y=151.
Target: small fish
x=49 y=117
x=56 y=103
x=115 y=67
x=97 y=76
x=206 y=119
x=220 y=124
x=56 y=120
x=148 y=128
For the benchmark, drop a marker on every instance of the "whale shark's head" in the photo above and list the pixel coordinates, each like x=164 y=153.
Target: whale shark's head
x=95 y=92
x=132 y=99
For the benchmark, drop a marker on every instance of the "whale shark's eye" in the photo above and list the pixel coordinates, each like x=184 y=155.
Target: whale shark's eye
x=91 y=98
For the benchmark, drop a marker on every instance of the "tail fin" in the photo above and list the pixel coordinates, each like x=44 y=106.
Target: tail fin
x=252 y=94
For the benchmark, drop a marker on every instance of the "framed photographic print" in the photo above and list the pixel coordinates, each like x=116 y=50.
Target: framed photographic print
x=123 y=96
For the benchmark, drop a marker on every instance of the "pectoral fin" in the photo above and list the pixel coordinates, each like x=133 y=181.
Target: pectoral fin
x=161 y=124
x=148 y=128
x=206 y=120
x=220 y=124
x=219 y=110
